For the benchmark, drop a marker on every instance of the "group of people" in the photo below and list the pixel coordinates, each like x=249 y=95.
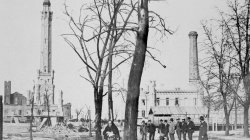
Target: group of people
x=167 y=130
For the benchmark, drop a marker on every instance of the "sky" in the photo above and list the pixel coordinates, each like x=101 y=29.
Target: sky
x=20 y=37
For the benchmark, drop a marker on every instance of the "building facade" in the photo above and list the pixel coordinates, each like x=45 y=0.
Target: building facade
x=156 y=104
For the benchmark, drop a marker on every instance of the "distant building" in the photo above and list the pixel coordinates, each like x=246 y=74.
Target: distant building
x=14 y=98
x=156 y=104
x=16 y=106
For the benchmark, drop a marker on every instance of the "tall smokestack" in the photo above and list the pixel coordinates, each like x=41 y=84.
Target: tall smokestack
x=193 y=58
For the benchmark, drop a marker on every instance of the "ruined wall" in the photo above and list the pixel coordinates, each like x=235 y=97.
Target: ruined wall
x=7 y=92
x=67 y=111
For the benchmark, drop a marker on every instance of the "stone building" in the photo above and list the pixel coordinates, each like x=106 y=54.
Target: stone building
x=18 y=107
x=12 y=98
x=156 y=104
x=67 y=111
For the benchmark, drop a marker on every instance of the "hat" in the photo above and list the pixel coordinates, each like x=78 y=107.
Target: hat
x=183 y=119
x=171 y=119
x=161 y=120
x=188 y=118
x=178 y=119
x=201 y=118
x=165 y=120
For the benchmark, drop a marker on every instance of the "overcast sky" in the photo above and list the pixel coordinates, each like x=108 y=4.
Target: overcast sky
x=20 y=37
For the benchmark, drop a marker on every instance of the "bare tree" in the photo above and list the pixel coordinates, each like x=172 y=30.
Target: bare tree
x=32 y=111
x=47 y=105
x=208 y=84
x=78 y=112
x=101 y=29
x=130 y=127
x=221 y=66
x=136 y=70
x=236 y=22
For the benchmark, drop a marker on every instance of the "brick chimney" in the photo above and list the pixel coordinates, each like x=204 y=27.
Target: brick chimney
x=193 y=58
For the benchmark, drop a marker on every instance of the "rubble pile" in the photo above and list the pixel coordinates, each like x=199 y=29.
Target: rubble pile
x=58 y=129
x=63 y=129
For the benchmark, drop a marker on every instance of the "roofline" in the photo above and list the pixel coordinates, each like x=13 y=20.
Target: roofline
x=176 y=91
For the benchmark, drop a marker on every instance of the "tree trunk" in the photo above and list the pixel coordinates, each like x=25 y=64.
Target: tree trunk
x=246 y=124
x=48 y=121
x=98 y=113
x=227 y=114
x=246 y=82
x=208 y=116
x=227 y=124
x=235 y=107
x=110 y=100
x=134 y=81
x=31 y=120
x=90 y=131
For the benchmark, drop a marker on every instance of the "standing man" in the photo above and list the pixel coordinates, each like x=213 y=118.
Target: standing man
x=171 y=129
x=161 y=130
x=203 y=129
x=166 y=129
x=184 y=128
x=143 y=130
x=178 y=128
x=151 y=130
x=190 y=126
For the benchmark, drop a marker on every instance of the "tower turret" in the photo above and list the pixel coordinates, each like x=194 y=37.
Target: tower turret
x=46 y=59
x=45 y=80
x=46 y=2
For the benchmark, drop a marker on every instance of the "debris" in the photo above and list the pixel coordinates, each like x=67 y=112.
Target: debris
x=62 y=129
x=41 y=125
x=83 y=129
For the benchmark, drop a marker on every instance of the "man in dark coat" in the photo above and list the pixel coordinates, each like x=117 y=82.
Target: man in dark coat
x=111 y=129
x=172 y=129
x=166 y=129
x=151 y=130
x=178 y=128
x=203 y=129
x=190 y=126
x=184 y=128
x=143 y=130
x=161 y=130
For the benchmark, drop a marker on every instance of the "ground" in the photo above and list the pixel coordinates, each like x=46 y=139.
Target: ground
x=20 y=132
